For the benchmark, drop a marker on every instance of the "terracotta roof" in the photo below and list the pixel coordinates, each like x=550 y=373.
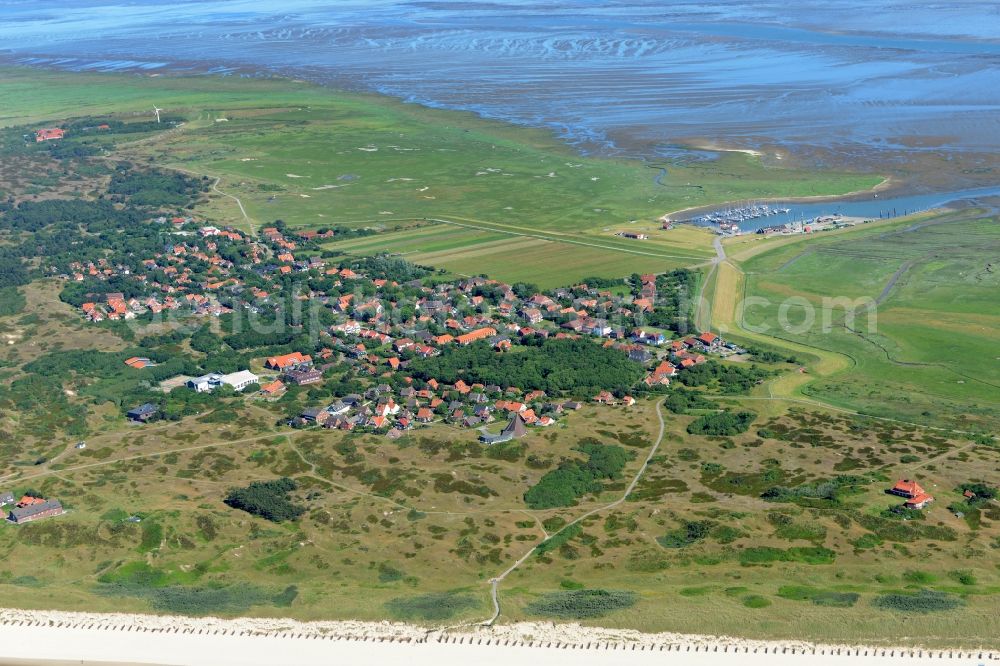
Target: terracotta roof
x=908 y=488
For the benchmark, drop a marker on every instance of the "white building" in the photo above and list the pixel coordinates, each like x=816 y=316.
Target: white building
x=238 y=380
x=205 y=383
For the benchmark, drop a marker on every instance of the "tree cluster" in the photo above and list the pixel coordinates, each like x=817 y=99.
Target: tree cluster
x=721 y=424
x=573 y=479
x=267 y=499
x=577 y=366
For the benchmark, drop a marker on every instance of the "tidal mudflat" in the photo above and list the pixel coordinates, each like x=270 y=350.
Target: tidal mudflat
x=846 y=84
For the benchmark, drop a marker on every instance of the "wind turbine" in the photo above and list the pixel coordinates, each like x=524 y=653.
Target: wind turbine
x=157 y=112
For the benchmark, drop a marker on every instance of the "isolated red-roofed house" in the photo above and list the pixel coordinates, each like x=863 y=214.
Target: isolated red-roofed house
x=916 y=496
x=907 y=488
x=49 y=134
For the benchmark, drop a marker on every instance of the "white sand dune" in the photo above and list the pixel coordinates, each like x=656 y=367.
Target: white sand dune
x=181 y=641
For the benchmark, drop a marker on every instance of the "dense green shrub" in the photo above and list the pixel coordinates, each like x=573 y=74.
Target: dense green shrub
x=690 y=532
x=581 y=366
x=722 y=423
x=558 y=539
x=727 y=378
x=756 y=601
x=165 y=593
x=681 y=400
x=12 y=301
x=763 y=555
x=581 y=604
x=155 y=188
x=267 y=499
x=817 y=493
x=388 y=573
x=924 y=601
x=574 y=478
x=818 y=596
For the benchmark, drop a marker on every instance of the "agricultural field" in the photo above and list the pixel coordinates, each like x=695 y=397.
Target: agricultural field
x=929 y=352
x=547 y=260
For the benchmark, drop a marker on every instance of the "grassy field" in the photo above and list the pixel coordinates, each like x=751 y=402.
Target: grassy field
x=360 y=161
x=315 y=157
x=930 y=351
x=414 y=529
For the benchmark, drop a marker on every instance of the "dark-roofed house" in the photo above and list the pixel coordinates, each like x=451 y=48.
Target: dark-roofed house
x=142 y=413
x=640 y=356
x=515 y=428
x=316 y=415
x=25 y=512
x=304 y=377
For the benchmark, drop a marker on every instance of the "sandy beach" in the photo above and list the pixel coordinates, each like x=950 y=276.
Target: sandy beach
x=29 y=638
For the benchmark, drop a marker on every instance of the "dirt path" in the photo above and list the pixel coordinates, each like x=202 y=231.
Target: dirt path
x=250 y=226
x=703 y=311
x=215 y=188
x=140 y=456
x=495 y=582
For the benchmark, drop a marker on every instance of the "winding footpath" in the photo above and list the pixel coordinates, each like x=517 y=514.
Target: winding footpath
x=495 y=582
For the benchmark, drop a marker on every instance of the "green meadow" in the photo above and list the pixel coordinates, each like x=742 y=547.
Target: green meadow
x=930 y=350
x=315 y=156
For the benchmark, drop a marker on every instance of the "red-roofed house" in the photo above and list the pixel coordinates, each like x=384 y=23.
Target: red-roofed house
x=49 y=134
x=276 y=387
x=478 y=334
x=916 y=496
x=708 y=339
x=288 y=361
x=604 y=397
x=906 y=488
